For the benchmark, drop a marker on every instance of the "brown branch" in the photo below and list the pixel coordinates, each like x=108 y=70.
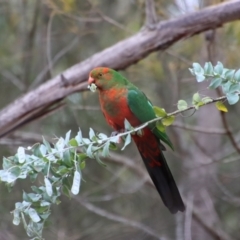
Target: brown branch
x=229 y=133
x=119 y=56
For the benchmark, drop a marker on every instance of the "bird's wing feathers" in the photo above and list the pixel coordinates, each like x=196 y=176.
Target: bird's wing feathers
x=142 y=108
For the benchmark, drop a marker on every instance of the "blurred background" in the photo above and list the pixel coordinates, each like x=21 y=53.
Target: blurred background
x=41 y=38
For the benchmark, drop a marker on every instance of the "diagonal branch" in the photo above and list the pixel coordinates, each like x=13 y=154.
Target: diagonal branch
x=117 y=218
x=119 y=56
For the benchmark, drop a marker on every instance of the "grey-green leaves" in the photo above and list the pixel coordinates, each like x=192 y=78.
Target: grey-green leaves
x=61 y=164
x=227 y=79
x=76 y=182
x=182 y=105
x=198 y=71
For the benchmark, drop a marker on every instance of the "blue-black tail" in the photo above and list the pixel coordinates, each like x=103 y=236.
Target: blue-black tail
x=160 y=174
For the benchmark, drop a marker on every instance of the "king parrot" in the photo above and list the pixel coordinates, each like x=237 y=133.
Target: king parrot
x=120 y=100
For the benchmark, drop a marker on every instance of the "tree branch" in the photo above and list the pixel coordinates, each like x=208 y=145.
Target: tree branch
x=119 y=56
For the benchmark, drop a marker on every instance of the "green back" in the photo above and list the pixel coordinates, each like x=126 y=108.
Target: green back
x=142 y=108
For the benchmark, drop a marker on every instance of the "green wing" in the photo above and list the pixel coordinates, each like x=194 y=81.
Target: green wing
x=142 y=108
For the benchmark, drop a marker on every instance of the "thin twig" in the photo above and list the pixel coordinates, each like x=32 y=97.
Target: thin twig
x=188 y=218
x=40 y=77
x=229 y=133
x=200 y=129
x=113 y=22
x=151 y=16
x=117 y=218
x=49 y=45
x=15 y=80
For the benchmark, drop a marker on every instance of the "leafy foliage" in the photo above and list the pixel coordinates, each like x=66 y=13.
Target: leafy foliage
x=227 y=79
x=60 y=164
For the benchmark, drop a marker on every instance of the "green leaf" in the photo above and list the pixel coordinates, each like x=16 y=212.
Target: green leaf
x=67 y=137
x=47 y=145
x=237 y=75
x=62 y=170
x=160 y=126
x=81 y=156
x=196 y=98
x=218 y=68
x=99 y=160
x=226 y=86
x=36 y=189
x=66 y=191
x=216 y=82
x=229 y=74
x=232 y=98
x=48 y=186
x=113 y=146
x=68 y=181
x=44 y=216
x=208 y=68
x=67 y=158
x=36 y=150
x=79 y=138
x=60 y=144
x=160 y=112
x=192 y=71
x=82 y=165
x=127 y=124
x=102 y=136
x=33 y=176
x=200 y=77
x=197 y=68
x=127 y=141
x=11 y=175
x=7 y=163
x=43 y=149
x=182 y=105
x=76 y=183
x=105 y=151
x=89 y=151
x=33 y=215
x=206 y=100
x=73 y=142
x=168 y=120
x=21 y=155
x=91 y=134
x=234 y=87
x=34 y=197
x=45 y=204
x=221 y=107
x=16 y=217
x=86 y=141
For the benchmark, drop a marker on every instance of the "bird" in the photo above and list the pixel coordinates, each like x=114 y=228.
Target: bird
x=119 y=100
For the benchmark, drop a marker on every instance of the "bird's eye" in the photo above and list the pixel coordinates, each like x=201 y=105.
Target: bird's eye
x=100 y=74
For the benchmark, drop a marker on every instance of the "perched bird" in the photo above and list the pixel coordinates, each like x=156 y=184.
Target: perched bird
x=120 y=100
